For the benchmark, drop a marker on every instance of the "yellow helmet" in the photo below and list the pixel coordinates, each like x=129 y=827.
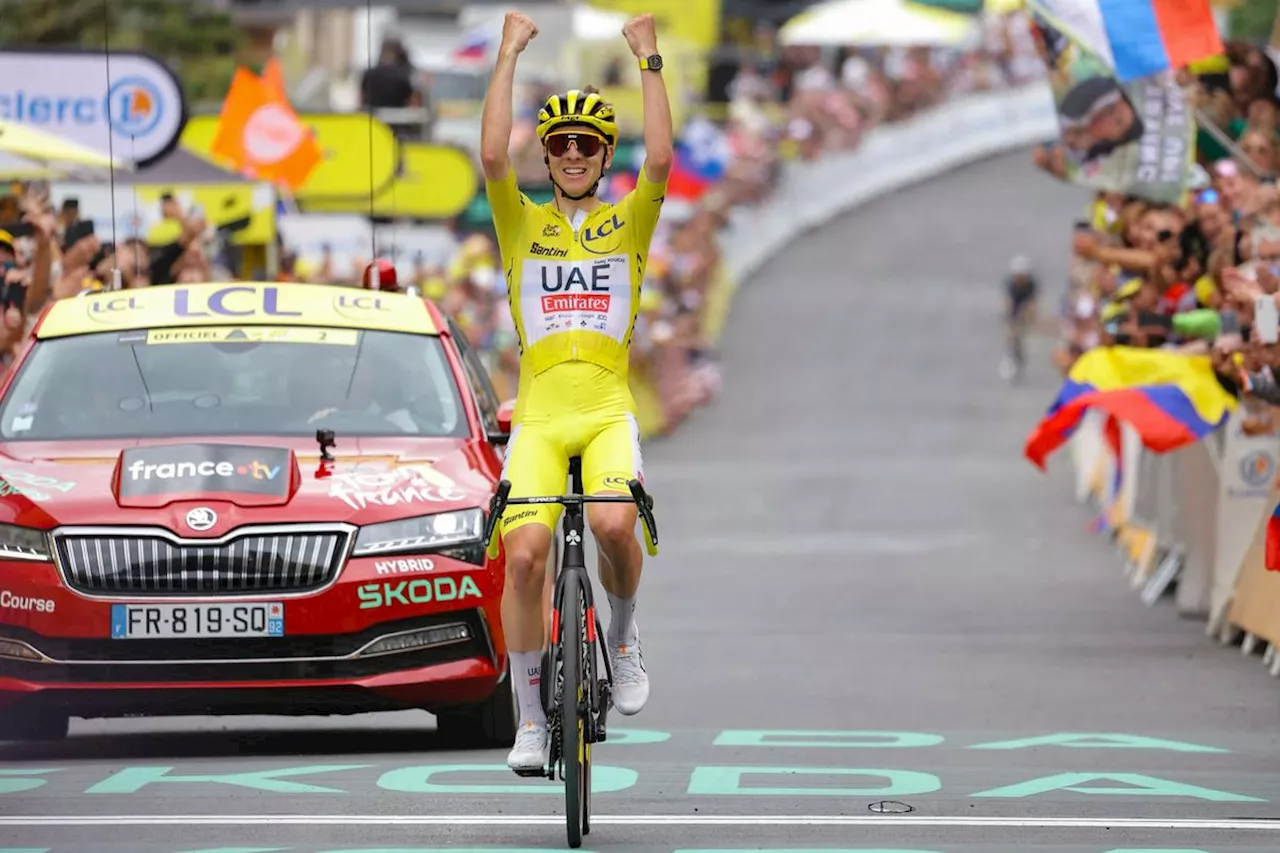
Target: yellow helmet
x=576 y=107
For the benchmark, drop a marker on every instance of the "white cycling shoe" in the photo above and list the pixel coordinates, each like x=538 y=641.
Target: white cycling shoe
x=532 y=748
x=630 y=681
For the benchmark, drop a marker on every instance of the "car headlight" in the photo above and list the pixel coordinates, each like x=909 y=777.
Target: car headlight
x=23 y=543
x=455 y=534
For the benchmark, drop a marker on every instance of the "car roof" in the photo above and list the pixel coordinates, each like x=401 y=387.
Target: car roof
x=240 y=303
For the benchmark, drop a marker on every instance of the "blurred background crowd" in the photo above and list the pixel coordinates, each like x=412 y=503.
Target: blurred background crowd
x=1192 y=275
x=273 y=141
x=751 y=99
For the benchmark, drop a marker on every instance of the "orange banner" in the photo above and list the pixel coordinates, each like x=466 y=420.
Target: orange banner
x=261 y=136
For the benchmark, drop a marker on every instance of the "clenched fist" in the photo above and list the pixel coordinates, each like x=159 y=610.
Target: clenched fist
x=642 y=36
x=518 y=29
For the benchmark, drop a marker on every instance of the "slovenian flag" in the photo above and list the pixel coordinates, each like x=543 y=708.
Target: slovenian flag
x=702 y=155
x=1147 y=37
x=1171 y=400
x=475 y=46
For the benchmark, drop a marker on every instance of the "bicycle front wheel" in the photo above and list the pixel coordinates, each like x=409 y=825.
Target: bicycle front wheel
x=573 y=701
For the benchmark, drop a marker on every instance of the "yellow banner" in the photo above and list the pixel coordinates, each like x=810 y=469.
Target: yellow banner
x=345 y=140
x=223 y=204
x=244 y=303
x=436 y=182
x=695 y=22
x=254 y=334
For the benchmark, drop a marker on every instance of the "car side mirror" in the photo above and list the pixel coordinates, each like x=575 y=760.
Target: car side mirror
x=505 y=412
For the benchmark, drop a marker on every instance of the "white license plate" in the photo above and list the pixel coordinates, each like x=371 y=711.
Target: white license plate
x=146 y=621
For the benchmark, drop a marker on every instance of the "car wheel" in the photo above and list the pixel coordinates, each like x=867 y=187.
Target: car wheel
x=49 y=725
x=489 y=724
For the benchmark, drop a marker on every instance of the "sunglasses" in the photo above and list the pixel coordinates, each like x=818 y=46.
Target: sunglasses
x=588 y=144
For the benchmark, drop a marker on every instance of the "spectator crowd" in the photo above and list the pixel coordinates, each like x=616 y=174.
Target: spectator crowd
x=786 y=104
x=1190 y=277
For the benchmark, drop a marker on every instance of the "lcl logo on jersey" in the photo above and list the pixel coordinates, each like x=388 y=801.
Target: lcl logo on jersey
x=603 y=238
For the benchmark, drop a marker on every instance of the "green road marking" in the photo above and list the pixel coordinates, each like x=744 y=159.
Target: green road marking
x=131 y=780
x=1100 y=741
x=235 y=850
x=417 y=780
x=636 y=737
x=728 y=780
x=16 y=781
x=794 y=738
x=1143 y=786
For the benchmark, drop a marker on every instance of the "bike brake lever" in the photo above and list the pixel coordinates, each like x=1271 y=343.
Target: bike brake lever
x=497 y=504
x=644 y=502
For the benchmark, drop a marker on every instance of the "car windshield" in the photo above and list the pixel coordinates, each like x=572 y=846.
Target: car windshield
x=287 y=381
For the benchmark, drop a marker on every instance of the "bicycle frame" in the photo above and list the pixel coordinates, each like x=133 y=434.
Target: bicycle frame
x=573 y=569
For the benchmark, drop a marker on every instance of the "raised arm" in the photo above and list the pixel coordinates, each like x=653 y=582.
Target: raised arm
x=495 y=125
x=642 y=38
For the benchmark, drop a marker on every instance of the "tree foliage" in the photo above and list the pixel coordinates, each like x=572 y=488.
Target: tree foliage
x=198 y=42
x=1252 y=20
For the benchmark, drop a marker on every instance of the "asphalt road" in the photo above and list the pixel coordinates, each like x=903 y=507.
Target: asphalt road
x=865 y=595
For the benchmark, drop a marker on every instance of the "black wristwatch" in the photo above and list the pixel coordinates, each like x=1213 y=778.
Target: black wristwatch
x=651 y=63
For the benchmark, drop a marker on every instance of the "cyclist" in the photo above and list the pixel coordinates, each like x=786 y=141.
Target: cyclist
x=1021 y=289
x=574 y=267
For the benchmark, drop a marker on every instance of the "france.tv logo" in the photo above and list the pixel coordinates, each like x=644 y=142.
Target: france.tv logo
x=134 y=106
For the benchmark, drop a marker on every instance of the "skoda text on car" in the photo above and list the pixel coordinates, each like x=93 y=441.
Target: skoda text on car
x=179 y=536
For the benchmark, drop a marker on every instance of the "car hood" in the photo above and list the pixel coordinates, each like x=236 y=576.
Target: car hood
x=243 y=480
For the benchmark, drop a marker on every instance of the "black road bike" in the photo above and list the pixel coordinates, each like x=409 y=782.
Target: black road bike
x=576 y=702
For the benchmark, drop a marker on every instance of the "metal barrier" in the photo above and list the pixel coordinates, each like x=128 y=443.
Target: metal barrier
x=1195 y=522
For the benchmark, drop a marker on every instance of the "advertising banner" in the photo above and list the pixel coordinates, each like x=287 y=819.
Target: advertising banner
x=136 y=111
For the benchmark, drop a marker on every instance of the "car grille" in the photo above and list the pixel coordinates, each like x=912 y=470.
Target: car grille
x=245 y=563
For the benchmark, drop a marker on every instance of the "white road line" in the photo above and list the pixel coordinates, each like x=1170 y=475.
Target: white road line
x=643 y=820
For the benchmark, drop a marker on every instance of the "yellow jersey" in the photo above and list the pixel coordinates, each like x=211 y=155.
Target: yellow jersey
x=574 y=286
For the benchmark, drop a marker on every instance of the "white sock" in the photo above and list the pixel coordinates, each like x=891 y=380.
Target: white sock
x=526 y=671
x=622 y=627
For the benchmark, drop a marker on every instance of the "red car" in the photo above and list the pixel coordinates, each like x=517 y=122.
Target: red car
x=249 y=498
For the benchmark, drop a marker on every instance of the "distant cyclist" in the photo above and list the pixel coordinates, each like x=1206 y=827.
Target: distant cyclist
x=574 y=267
x=1021 y=290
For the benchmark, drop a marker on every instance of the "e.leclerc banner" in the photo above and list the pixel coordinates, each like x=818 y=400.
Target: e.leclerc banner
x=137 y=112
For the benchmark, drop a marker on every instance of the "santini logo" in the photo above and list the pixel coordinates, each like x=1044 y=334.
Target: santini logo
x=179 y=470
x=547 y=251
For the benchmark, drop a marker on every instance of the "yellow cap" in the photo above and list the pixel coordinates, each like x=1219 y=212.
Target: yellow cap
x=1205 y=288
x=1112 y=310
x=1129 y=289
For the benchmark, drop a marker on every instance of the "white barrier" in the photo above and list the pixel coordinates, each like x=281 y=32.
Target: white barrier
x=1205 y=506
x=890 y=157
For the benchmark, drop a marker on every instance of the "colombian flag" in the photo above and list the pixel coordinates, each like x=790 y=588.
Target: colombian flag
x=1170 y=399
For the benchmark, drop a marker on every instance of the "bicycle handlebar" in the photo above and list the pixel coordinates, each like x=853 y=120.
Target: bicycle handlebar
x=642 y=499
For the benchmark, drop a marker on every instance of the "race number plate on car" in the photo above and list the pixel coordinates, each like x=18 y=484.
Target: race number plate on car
x=147 y=621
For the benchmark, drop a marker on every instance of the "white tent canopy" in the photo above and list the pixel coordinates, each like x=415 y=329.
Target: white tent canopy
x=556 y=22
x=878 y=22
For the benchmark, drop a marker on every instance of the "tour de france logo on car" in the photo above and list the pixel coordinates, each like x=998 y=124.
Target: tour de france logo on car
x=204 y=468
